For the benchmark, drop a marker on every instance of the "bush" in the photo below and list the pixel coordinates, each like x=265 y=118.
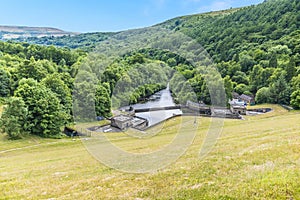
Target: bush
x=263 y=95
x=13 y=118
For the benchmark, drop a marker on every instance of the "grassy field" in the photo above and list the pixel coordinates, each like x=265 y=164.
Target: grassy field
x=255 y=158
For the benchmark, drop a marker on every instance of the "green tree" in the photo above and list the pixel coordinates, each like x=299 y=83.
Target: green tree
x=241 y=88
x=290 y=69
x=136 y=58
x=273 y=63
x=102 y=102
x=246 y=62
x=32 y=69
x=255 y=81
x=240 y=77
x=13 y=119
x=172 y=62
x=295 y=99
x=84 y=96
x=228 y=87
x=60 y=89
x=262 y=95
x=296 y=82
x=45 y=114
x=4 y=83
x=280 y=91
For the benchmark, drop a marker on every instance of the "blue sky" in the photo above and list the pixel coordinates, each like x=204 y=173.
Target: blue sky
x=108 y=15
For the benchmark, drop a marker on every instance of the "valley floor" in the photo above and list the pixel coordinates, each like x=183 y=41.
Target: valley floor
x=255 y=158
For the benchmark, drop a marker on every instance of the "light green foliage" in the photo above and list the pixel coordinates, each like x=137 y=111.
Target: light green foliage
x=296 y=82
x=295 y=96
x=14 y=117
x=45 y=114
x=32 y=69
x=240 y=78
x=41 y=77
x=263 y=95
x=102 y=102
x=295 y=99
x=60 y=89
x=241 y=88
x=136 y=58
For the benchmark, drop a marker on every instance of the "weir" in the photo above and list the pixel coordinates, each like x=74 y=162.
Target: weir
x=139 y=110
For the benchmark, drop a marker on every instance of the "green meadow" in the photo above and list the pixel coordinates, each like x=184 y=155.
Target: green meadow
x=254 y=158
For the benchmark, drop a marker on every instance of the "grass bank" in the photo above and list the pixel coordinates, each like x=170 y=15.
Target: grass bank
x=255 y=158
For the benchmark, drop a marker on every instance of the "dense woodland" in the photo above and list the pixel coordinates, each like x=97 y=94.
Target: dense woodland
x=256 y=49
x=86 y=41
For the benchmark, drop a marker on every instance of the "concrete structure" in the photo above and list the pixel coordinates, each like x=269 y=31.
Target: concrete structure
x=121 y=121
x=199 y=107
x=126 y=121
x=238 y=107
x=139 y=123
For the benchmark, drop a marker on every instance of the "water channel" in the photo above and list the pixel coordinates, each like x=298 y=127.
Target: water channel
x=162 y=98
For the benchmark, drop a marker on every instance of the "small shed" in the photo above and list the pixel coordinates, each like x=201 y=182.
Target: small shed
x=127 y=121
x=247 y=99
x=238 y=106
x=238 y=109
x=121 y=121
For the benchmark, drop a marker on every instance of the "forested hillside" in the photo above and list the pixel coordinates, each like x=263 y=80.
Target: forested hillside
x=253 y=46
x=256 y=49
x=37 y=83
x=85 y=41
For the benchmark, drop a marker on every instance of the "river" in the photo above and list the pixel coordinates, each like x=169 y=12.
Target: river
x=162 y=98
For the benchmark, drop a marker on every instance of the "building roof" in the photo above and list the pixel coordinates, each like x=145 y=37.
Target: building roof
x=122 y=118
x=237 y=102
x=235 y=95
x=246 y=97
x=238 y=107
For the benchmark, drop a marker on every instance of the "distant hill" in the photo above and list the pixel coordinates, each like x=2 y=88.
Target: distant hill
x=21 y=32
x=223 y=34
x=256 y=49
x=85 y=41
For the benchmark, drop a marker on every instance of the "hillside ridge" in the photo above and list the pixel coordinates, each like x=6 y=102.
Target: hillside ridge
x=8 y=32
